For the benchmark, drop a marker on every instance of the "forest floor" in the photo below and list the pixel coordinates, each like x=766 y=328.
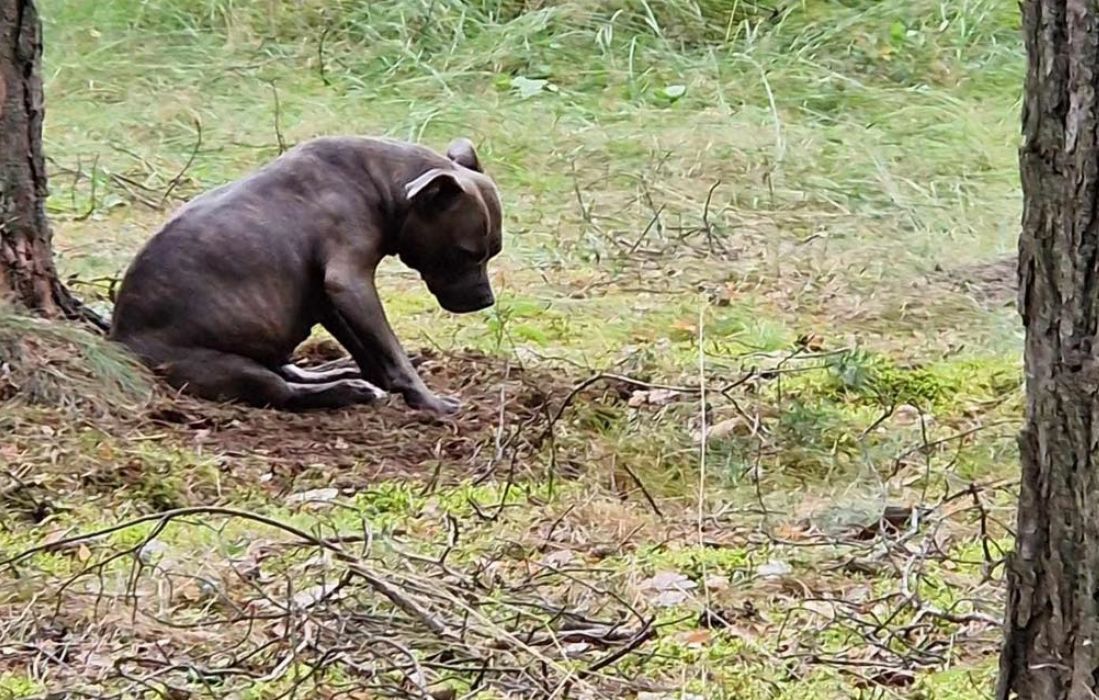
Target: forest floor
x=741 y=424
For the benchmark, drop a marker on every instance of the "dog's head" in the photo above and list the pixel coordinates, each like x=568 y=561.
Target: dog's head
x=452 y=230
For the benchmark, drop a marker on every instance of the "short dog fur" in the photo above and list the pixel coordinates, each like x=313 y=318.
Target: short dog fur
x=220 y=297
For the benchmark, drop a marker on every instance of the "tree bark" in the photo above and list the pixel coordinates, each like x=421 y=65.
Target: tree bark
x=1051 y=645
x=27 y=272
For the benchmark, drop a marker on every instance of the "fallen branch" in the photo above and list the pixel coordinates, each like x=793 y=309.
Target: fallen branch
x=387 y=589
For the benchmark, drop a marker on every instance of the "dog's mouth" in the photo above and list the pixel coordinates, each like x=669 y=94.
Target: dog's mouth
x=464 y=295
x=466 y=305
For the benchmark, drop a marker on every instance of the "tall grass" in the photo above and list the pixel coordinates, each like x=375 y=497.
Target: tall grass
x=887 y=126
x=62 y=364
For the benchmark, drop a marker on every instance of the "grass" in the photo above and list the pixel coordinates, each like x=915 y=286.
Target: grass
x=801 y=190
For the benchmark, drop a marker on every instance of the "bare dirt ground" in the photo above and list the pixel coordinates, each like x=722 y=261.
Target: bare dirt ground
x=992 y=285
x=506 y=416
x=505 y=411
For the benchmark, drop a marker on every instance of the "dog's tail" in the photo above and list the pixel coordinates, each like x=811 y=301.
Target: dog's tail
x=80 y=311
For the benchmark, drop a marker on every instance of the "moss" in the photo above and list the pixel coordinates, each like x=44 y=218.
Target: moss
x=934 y=385
x=14 y=686
x=969 y=682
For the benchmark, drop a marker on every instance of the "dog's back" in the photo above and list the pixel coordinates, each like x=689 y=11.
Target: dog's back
x=232 y=270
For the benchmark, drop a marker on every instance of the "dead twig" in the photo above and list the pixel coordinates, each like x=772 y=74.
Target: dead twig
x=174 y=182
x=645 y=491
x=321 y=63
x=380 y=584
x=278 y=118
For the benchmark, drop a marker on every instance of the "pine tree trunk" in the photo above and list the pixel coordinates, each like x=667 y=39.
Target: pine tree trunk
x=1051 y=646
x=27 y=273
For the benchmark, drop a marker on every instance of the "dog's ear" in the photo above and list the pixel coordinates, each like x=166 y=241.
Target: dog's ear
x=433 y=190
x=461 y=151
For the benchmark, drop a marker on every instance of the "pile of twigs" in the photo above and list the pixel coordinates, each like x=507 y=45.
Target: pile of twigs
x=303 y=613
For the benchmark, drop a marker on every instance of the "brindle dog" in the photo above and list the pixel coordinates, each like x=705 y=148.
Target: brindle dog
x=220 y=297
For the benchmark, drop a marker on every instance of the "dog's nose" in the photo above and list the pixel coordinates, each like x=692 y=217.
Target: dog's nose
x=468 y=304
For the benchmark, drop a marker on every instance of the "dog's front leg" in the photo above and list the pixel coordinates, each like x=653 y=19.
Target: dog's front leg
x=357 y=320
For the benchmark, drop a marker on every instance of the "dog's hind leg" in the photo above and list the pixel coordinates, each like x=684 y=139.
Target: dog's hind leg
x=328 y=372
x=221 y=376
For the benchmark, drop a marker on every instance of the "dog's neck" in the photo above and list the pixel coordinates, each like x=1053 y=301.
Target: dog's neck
x=389 y=166
x=392 y=223
x=381 y=174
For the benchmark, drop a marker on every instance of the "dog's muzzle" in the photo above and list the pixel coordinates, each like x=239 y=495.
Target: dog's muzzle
x=464 y=295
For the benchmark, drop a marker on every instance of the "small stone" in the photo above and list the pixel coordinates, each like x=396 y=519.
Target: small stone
x=151 y=551
x=773 y=569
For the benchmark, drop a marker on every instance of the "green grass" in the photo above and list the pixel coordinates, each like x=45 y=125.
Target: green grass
x=821 y=168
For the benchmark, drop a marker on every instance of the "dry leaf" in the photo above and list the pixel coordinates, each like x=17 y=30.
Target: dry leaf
x=671 y=587
x=716 y=583
x=54 y=536
x=824 y=608
x=652 y=397
x=667 y=581
x=315 y=496
x=694 y=638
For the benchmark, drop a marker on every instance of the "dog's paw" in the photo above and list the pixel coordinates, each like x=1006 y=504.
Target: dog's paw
x=364 y=391
x=448 y=404
x=441 y=405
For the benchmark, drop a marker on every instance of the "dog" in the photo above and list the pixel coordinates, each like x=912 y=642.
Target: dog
x=218 y=299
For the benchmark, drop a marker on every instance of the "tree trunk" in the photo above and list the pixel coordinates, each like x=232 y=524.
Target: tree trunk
x=1051 y=646
x=27 y=273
